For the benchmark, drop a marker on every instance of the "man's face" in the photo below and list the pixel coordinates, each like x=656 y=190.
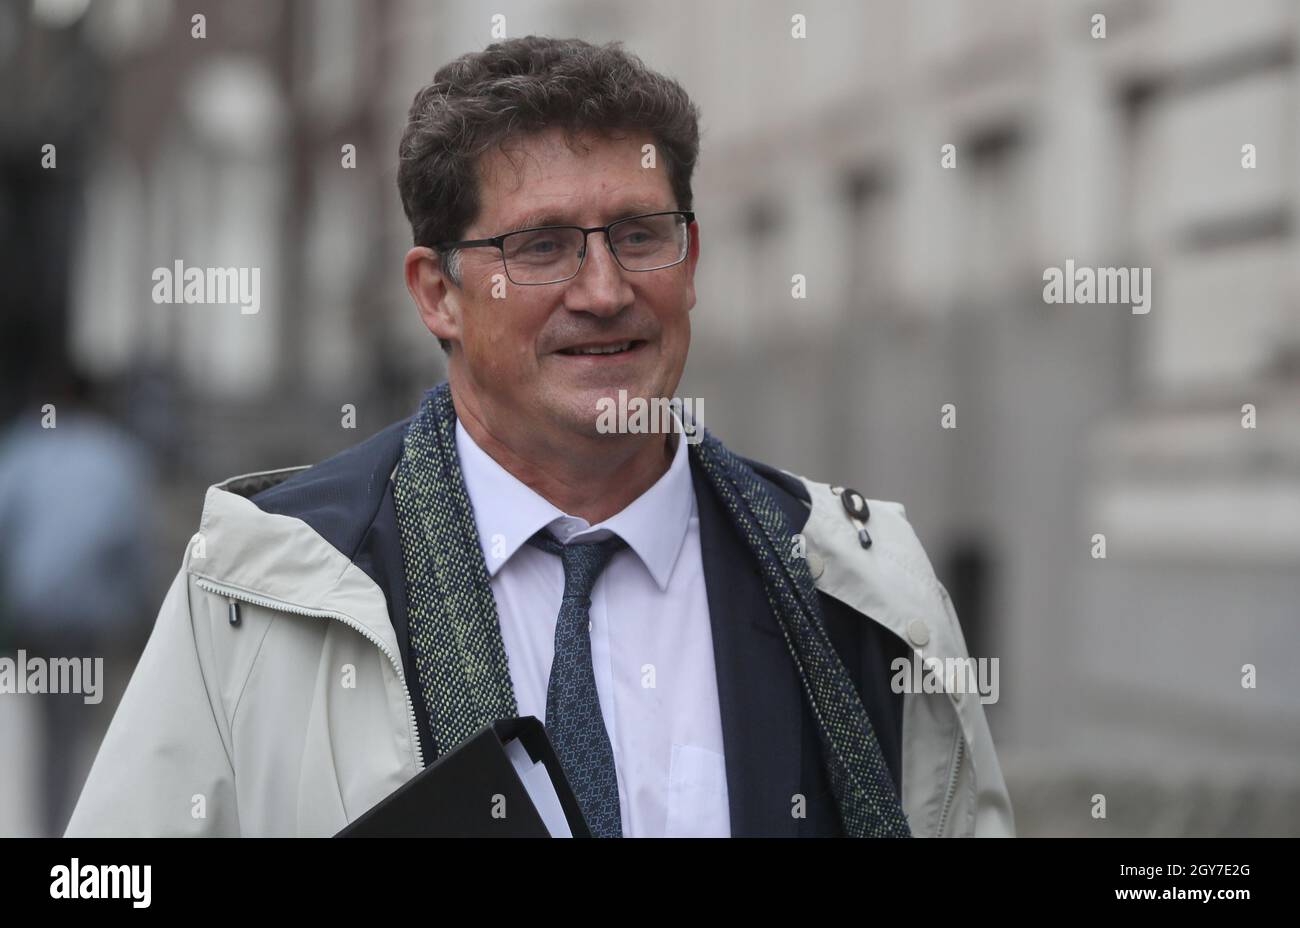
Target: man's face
x=513 y=364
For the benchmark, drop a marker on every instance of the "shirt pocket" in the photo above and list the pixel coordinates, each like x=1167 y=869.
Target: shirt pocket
x=697 y=794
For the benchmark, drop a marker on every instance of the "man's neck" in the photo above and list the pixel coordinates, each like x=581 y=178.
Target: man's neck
x=592 y=477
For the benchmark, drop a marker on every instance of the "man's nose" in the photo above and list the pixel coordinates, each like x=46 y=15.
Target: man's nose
x=600 y=287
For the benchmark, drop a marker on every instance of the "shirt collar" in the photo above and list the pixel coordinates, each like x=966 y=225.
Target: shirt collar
x=508 y=512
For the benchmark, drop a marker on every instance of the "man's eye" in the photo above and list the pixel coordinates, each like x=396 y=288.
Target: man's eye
x=536 y=246
x=634 y=237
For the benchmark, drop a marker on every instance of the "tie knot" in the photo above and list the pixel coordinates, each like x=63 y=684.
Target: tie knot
x=582 y=562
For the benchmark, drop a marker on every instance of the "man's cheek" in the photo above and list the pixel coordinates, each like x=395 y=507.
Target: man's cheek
x=503 y=355
x=479 y=351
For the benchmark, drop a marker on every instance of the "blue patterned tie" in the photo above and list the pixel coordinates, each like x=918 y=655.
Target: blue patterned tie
x=573 y=719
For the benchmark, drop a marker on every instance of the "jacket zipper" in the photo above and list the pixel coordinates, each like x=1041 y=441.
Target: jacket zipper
x=952 y=781
x=266 y=602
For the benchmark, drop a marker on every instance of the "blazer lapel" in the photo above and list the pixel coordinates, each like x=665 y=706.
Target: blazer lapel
x=759 y=693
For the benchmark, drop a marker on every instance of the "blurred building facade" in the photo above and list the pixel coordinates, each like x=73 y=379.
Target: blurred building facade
x=821 y=156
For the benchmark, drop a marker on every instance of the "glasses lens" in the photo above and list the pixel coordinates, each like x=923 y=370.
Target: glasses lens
x=644 y=243
x=539 y=256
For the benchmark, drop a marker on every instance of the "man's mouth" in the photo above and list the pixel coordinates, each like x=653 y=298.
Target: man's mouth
x=606 y=348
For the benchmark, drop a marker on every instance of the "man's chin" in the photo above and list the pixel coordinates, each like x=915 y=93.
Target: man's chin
x=595 y=414
x=586 y=421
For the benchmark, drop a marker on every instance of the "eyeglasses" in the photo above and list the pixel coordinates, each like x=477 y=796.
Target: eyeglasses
x=552 y=254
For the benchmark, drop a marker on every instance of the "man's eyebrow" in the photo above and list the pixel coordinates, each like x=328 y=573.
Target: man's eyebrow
x=544 y=218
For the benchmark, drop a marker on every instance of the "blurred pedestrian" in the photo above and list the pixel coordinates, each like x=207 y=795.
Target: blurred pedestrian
x=75 y=531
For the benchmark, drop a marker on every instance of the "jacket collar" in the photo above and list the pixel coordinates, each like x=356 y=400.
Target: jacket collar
x=891 y=583
x=247 y=551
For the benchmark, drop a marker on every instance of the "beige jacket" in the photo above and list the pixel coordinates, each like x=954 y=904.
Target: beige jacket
x=247 y=731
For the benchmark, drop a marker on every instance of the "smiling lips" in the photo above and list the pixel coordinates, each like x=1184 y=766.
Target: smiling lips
x=604 y=349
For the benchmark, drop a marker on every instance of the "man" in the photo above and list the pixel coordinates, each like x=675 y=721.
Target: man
x=708 y=640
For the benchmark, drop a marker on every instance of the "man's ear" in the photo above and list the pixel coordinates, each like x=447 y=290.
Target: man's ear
x=434 y=295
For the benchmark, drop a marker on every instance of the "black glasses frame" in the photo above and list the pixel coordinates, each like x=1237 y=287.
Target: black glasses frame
x=498 y=242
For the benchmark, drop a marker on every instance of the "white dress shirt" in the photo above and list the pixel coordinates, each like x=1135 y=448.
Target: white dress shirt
x=651 y=640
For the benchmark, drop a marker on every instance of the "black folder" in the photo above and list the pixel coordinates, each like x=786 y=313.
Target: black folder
x=455 y=797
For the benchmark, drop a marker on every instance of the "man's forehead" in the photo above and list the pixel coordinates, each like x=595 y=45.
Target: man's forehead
x=539 y=179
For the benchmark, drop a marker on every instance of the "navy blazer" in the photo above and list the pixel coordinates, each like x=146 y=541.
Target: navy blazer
x=769 y=737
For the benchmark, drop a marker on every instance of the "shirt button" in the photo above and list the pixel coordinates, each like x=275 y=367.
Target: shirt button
x=816 y=566
x=918 y=632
